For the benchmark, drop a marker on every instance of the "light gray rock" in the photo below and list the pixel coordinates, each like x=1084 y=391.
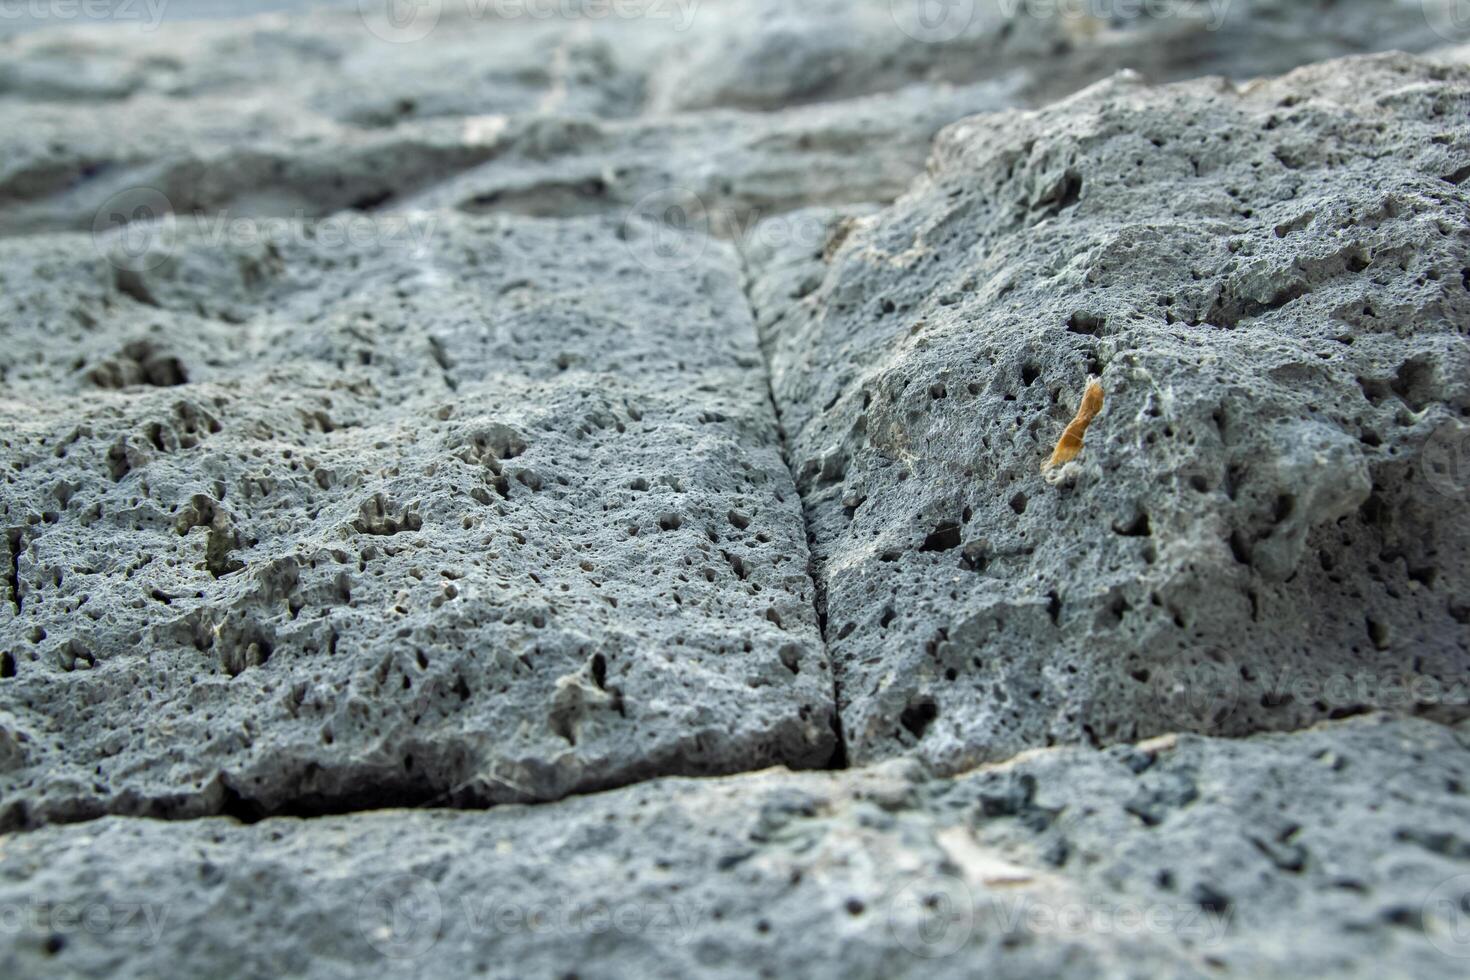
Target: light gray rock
x=69 y=166
x=145 y=15
x=403 y=476
x=724 y=170
x=476 y=511
x=276 y=116
x=1271 y=281
x=773 y=55
x=330 y=63
x=732 y=167
x=1310 y=854
x=292 y=116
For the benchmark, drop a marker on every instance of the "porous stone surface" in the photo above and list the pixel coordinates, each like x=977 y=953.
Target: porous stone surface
x=1310 y=854
x=419 y=462
x=1271 y=282
x=480 y=510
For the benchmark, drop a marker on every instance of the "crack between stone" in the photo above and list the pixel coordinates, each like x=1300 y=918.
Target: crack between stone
x=224 y=797
x=839 y=759
x=233 y=801
x=14 y=537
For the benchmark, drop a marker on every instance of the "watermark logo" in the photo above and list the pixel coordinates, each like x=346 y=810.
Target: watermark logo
x=400 y=916
x=667 y=230
x=400 y=21
x=1196 y=695
x=678 y=12
x=1445 y=461
x=932 y=917
x=138 y=230
x=1446 y=916
x=932 y=21
x=135 y=229
x=146 y=13
x=1450 y=19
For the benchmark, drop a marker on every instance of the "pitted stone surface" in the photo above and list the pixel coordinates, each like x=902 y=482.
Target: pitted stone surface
x=1309 y=854
x=1271 y=282
x=411 y=466
x=499 y=515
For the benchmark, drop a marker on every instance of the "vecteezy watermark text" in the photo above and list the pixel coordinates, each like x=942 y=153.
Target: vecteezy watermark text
x=406 y=21
x=1445 y=461
x=935 y=916
x=1211 y=13
x=938 y=21
x=141 y=919
x=1203 y=695
x=138 y=229
x=671 y=229
x=402 y=916
x=148 y=13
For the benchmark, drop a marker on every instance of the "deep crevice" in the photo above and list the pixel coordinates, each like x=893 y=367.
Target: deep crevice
x=839 y=758
x=13 y=539
x=477 y=791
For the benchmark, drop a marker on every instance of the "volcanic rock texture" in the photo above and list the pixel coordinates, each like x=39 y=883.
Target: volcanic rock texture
x=553 y=496
x=1270 y=282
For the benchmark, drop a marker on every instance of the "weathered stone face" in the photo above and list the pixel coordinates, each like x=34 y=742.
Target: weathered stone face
x=494 y=427
x=1270 y=283
x=1154 y=860
x=496 y=515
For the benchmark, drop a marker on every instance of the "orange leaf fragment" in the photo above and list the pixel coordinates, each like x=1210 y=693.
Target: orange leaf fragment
x=1070 y=444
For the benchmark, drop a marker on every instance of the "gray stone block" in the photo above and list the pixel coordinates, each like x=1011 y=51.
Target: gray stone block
x=295 y=526
x=1316 y=853
x=586 y=109
x=418 y=460
x=1271 y=281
